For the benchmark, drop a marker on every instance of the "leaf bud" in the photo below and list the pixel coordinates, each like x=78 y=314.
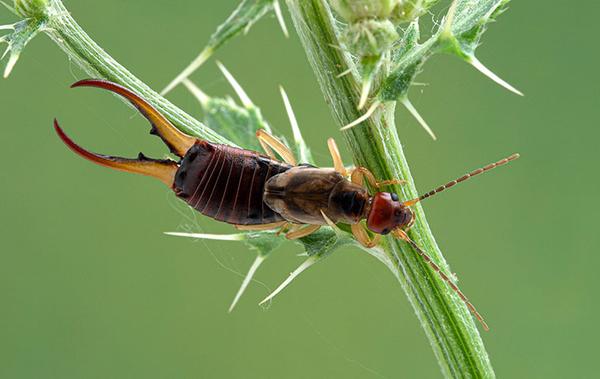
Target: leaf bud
x=370 y=37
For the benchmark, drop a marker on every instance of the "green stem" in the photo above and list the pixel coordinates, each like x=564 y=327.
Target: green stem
x=445 y=319
x=71 y=38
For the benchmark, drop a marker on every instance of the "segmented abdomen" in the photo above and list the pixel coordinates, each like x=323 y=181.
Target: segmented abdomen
x=227 y=183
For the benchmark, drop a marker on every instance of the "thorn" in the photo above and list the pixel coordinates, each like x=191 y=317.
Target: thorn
x=236 y=86
x=290 y=113
x=202 y=97
x=219 y=237
x=7 y=27
x=339 y=48
x=364 y=95
x=362 y=118
x=473 y=61
x=10 y=64
x=331 y=224
x=189 y=70
x=5 y=52
x=280 y=19
x=251 y=271
x=306 y=264
x=10 y=8
x=343 y=73
x=447 y=31
x=294 y=124
x=413 y=111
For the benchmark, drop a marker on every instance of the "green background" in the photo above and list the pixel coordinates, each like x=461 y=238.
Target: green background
x=90 y=287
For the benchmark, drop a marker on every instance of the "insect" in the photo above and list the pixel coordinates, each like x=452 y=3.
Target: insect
x=256 y=191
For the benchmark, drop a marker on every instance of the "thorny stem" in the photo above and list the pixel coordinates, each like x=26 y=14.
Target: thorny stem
x=445 y=319
x=70 y=37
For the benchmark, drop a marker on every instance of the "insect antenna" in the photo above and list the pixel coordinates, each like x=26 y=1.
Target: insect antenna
x=462 y=179
x=401 y=234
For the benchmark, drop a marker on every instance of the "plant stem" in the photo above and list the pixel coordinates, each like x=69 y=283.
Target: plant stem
x=72 y=39
x=375 y=145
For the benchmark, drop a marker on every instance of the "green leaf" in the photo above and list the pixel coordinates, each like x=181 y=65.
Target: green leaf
x=462 y=31
x=237 y=123
x=263 y=242
x=242 y=19
x=408 y=57
x=398 y=82
x=459 y=34
x=325 y=241
x=410 y=40
x=469 y=21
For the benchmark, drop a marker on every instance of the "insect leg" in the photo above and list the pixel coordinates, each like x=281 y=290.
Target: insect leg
x=270 y=143
x=258 y=227
x=287 y=227
x=338 y=164
x=302 y=232
x=360 y=233
x=358 y=175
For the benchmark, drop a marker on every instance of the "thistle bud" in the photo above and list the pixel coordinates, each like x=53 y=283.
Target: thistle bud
x=354 y=10
x=370 y=37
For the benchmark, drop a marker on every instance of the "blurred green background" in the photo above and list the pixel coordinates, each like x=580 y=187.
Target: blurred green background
x=90 y=287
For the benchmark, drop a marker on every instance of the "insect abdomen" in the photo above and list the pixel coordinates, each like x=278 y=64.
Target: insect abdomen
x=227 y=183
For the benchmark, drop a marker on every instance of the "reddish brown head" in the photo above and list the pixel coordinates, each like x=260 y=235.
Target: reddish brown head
x=387 y=213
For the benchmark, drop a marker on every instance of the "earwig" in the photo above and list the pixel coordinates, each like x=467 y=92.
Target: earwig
x=253 y=191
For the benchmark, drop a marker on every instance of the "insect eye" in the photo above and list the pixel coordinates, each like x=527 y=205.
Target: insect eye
x=394 y=196
x=397 y=213
x=385 y=231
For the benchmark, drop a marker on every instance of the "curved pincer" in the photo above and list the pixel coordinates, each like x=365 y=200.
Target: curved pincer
x=163 y=169
x=178 y=142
